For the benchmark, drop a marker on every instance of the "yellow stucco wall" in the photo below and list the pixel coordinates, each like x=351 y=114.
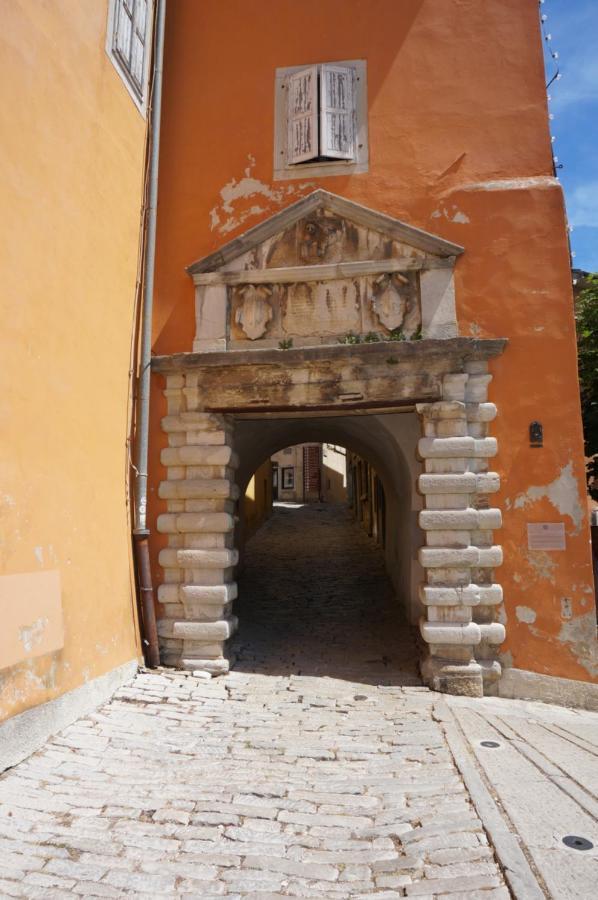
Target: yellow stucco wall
x=71 y=160
x=257 y=502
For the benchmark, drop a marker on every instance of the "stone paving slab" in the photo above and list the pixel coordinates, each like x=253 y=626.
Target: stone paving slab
x=245 y=786
x=544 y=774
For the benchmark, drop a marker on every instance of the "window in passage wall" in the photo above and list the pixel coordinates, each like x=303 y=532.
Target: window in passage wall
x=321 y=120
x=288 y=479
x=128 y=44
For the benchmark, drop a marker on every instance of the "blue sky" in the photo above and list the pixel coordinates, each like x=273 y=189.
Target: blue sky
x=573 y=26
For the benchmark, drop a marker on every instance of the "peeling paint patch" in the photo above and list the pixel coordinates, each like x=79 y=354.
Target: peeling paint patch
x=31 y=635
x=232 y=211
x=39 y=555
x=581 y=632
x=512 y=184
x=543 y=564
x=563 y=493
x=452 y=214
x=525 y=614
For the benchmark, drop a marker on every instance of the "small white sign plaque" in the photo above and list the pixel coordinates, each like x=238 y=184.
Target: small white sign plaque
x=546 y=536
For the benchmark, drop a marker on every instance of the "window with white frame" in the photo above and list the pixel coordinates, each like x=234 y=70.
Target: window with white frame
x=288 y=479
x=128 y=43
x=321 y=120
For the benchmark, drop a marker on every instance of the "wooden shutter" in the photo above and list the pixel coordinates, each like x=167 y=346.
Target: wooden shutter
x=129 y=40
x=138 y=45
x=303 y=115
x=124 y=28
x=337 y=112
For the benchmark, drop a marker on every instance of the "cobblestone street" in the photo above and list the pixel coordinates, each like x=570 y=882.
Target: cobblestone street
x=319 y=767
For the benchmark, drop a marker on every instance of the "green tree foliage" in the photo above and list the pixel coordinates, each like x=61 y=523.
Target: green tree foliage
x=586 y=317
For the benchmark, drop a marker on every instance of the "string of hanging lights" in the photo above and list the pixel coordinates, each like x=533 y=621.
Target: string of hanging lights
x=556 y=76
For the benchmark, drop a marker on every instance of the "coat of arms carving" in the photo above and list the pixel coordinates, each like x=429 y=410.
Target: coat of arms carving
x=395 y=303
x=254 y=311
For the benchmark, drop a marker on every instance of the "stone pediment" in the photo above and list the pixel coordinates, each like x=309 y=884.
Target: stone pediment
x=321 y=271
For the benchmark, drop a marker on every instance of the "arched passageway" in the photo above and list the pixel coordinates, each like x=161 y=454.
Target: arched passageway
x=314 y=594
x=421 y=420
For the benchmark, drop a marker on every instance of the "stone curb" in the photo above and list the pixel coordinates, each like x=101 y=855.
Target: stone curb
x=515 y=866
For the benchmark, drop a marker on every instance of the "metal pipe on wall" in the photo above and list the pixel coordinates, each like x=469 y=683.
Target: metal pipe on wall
x=141 y=531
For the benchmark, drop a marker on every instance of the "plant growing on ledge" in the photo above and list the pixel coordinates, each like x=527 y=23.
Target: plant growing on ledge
x=396 y=335
x=371 y=338
x=350 y=338
x=285 y=344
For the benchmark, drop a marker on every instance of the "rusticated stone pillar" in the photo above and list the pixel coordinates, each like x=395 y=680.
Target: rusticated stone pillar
x=459 y=556
x=200 y=494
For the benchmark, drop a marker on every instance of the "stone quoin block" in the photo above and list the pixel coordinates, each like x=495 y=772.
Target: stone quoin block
x=222 y=593
x=205 y=631
x=479 y=557
x=456 y=446
x=476 y=389
x=442 y=409
x=199 y=455
x=492 y=632
x=456 y=633
x=478 y=519
x=198 y=489
x=465 y=483
x=480 y=412
x=453 y=386
x=172 y=523
x=469 y=595
x=198 y=559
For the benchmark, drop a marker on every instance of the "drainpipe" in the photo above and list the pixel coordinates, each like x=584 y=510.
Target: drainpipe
x=141 y=531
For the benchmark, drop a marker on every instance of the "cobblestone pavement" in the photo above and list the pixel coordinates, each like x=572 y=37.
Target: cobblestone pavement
x=317 y=768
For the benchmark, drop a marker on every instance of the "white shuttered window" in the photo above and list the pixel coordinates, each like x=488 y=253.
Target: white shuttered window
x=128 y=44
x=303 y=115
x=337 y=112
x=320 y=120
x=321 y=113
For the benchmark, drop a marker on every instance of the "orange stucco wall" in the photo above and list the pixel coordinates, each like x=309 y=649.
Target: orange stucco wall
x=459 y=146
x=71 y=158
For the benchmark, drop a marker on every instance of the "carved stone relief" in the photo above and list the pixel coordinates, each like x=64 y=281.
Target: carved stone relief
x=254 y=312
x=324 y=237
x=395 y=303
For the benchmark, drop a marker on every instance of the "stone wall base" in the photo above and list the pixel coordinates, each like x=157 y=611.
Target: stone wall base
x=27 y=732
x=520 y=684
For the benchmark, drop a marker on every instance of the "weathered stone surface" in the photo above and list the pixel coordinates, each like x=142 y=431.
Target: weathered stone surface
x=466 y=483
x=430 y=520
x=457 y=446
x=479 y=557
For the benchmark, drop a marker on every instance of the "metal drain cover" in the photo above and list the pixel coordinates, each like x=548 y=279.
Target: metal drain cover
x=489 y=744
x=577 y=843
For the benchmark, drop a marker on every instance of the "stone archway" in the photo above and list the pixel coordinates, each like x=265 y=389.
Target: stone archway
x=247 y=299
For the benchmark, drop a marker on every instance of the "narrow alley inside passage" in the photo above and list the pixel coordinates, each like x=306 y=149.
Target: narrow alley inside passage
x=315 y=599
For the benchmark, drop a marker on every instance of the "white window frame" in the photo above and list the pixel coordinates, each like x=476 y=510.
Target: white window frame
x=286 y=171
x=140 y=102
